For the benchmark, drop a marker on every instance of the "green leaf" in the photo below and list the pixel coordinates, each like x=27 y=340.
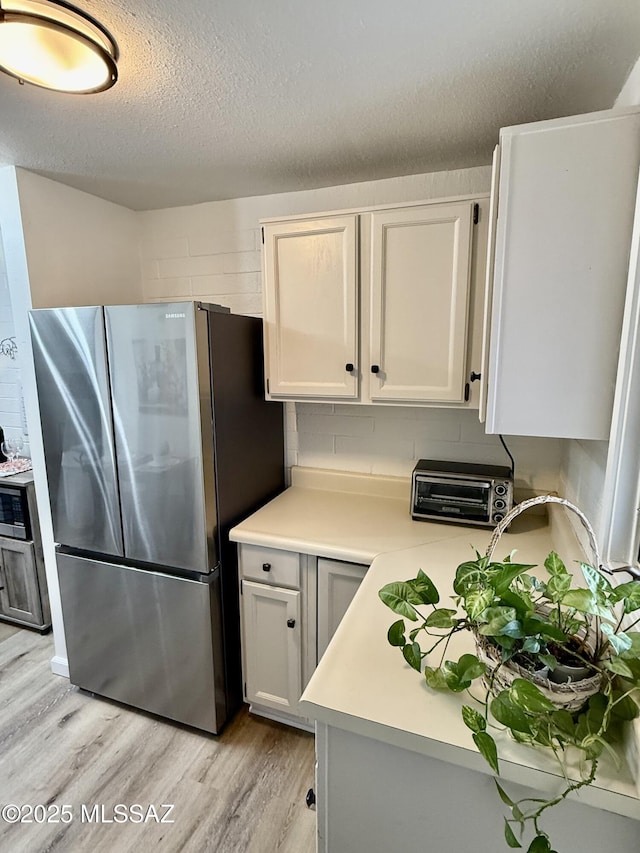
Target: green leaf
x=552 y=632
x=469 y=668
x=413 y=655
x=625 y=708
x=548 y=660
x=510 y=838
x=397 y=596
x=459 y=674
x=595 y=713
x=503 y=577
x=441 y=618
x=634 y=652
x=506 y=799
x=521 y=602
x=531 y=644
x=395 y=634
x=487 y=749
x=435 y=678
x=504 y=711
x=621 y=642
x=584 y=601
x=469 y=576
x=540 y=844
x=529 y=697
x=554 y=565
x=620 y=667
x=596 y=581
x=496 y=618
x=424 y=589
x=513 y=629
x=477 y=601
x=629 y=593
x=473 y=720
x=563 y=721
x=558 y=587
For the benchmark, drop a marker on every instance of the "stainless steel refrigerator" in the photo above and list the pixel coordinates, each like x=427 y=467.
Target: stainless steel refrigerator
x=157 y=441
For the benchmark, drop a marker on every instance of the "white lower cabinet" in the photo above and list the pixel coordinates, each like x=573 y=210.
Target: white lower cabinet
x=272 y=645
x=285 y=631
x=337 y=584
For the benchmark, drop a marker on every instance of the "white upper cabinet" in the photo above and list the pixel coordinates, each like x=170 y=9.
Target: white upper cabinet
x=566 y=198
x=380 y=306
x=419 y=293
x=310 y=310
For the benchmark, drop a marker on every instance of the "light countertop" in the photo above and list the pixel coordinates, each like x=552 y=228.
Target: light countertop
x=343 y=517
x=362 y=684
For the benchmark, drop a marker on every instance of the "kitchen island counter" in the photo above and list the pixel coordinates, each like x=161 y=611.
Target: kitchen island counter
x=412 y=751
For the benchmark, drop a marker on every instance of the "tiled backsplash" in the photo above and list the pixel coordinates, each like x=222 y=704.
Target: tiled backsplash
x=388 y=440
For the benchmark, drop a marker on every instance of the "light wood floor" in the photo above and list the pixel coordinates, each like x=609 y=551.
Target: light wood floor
x=241 y=792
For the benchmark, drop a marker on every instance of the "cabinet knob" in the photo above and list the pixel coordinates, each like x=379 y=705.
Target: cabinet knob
x=349 y=367
x=291 y=623
x=375 y=368
x=475 y=376
x=266 y=567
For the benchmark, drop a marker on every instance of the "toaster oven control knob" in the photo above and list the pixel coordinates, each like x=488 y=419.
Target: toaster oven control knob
x=499 y=504
x=497 y=517
x=375 y=368
x=501 y=489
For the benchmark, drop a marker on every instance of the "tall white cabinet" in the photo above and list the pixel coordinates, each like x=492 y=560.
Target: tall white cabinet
x=566 y=196
x=379 y=306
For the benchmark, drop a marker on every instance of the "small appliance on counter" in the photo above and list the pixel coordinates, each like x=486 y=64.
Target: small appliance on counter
x=462 y=492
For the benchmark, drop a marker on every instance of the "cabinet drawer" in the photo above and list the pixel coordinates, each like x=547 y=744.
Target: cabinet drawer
x=270 y=565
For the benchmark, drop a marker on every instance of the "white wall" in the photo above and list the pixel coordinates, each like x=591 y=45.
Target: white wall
x=61 y=247
x=212 y=252
x=81 y=250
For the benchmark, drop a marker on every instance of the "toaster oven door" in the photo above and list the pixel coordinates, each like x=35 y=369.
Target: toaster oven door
x=452 y=499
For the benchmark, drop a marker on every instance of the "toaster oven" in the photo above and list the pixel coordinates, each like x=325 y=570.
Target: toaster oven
x=462 y=492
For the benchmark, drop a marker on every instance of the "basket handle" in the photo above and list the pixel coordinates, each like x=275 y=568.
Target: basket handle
x=546 y=499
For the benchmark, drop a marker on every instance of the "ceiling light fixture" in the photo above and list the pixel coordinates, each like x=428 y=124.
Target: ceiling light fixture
x=54 y=45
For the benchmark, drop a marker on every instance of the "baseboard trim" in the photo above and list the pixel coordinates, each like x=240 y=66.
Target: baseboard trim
x=60 y=666
x=281 y=717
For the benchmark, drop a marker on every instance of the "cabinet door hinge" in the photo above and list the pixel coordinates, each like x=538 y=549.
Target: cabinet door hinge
x=467 y=390
x=262 y=230
x=267 y=384
x=476 y=214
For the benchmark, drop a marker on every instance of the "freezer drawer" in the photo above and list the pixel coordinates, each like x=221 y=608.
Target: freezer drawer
x=144 y=638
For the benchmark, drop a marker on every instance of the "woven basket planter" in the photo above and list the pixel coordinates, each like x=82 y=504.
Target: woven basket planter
x=570 y=696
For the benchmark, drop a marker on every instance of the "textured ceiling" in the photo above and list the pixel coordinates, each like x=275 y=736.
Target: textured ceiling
x=222 y=99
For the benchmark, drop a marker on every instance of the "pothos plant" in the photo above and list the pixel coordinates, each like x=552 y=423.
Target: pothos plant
x=537 y=626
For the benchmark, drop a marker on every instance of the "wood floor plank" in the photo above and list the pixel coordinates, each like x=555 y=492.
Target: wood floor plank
x=241 y=792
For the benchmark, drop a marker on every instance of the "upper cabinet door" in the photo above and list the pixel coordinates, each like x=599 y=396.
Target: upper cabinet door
x=311 y=316
x=419 y=294
x=566 y=202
